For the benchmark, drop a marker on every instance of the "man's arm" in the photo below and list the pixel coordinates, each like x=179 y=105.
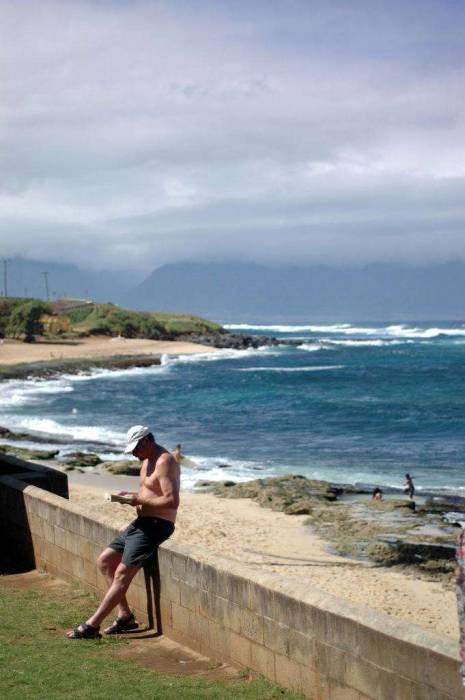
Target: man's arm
x=168 y=485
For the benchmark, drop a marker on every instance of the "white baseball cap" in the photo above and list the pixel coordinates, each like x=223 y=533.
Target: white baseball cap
x=134 y=436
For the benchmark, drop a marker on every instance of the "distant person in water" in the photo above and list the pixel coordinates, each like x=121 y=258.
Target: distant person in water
x=409 y=488
x=177 y=453
x=182 y=459
x=377 y=494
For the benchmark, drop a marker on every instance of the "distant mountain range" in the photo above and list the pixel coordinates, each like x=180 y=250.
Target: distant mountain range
x=248 y=292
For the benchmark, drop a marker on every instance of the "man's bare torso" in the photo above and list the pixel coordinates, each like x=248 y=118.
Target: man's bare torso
x=150 y=486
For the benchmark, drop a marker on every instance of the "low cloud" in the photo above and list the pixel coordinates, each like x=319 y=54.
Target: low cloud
x=135 y=134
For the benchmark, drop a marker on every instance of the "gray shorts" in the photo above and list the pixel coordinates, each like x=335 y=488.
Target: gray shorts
x=139 y=542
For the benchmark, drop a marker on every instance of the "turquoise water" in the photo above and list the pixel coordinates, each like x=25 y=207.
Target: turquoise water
x=350 y=404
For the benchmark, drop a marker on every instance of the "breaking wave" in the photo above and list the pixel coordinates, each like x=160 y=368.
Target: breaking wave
x=48 y=427
x=394 y=331
x=333 y=344
x=313 y=368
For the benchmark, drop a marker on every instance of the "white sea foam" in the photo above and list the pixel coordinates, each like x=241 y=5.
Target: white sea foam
x=20 y=392
x=287 y=329
x=396 y=330
x=33 y=391
x=378 y=343
x=312 y=347
x=49 y=427
x=333 y=344
x=336 y=328
x=313 y=368
x=114 y=373
x=226 y=354
x=406 y=332
x=220 y=469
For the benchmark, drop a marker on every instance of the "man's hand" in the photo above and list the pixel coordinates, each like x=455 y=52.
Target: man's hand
x=132 y=495
x=134 y=499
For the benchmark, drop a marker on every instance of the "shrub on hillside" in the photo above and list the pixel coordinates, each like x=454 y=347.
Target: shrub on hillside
x=150 y=328
x=7 y=304
x=25 y=320
x=80 y=313
x=133 y=325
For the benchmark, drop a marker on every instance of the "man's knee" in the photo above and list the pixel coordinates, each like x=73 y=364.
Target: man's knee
x=108 y=560
x=124 y=574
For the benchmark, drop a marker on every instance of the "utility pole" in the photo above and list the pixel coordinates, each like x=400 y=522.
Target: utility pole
x=5 y=277
x=45 y=274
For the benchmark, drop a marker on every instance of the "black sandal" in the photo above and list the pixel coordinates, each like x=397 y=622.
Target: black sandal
x=85 y=631
x=123 y=624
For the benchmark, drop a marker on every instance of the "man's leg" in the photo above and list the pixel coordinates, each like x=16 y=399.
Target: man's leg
x=107 y=564
x=116 y=593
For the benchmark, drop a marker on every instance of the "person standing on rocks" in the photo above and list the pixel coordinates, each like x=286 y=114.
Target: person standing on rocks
x=409 y=487
x=157 y=502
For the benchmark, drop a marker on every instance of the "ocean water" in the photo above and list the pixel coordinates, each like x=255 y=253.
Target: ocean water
x=351 y=403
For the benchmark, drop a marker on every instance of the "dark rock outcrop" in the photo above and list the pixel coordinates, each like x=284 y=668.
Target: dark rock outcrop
x=125 y=466
x=25 y=453
x=81 y=459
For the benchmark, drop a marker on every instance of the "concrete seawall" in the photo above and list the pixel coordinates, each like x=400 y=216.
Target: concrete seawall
x=306 y=640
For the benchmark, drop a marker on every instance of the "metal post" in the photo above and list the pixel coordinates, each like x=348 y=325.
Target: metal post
x=5 y=278
x=45 y=274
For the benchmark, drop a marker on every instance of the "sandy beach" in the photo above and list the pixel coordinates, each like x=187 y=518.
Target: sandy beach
x=274 y=542
x=13 y=352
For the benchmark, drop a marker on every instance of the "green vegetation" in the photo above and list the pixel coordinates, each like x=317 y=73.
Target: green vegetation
x=26 y=318
x=107 y=319
x=20 y=317
x=7 y=305
x=36 y=661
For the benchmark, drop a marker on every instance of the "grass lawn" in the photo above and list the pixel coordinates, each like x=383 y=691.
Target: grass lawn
x=38 y=663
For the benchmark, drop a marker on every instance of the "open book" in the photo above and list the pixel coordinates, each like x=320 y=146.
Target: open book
x=115 y=498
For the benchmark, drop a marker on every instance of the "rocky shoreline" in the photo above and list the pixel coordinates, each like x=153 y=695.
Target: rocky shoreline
x=417 y=537
x=54 y=368
x=235 y=341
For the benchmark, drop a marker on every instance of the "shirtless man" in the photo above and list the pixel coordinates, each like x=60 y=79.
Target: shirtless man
x=156 y=503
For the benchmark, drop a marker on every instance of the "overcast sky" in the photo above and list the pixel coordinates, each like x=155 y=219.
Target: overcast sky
x=139 y=133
